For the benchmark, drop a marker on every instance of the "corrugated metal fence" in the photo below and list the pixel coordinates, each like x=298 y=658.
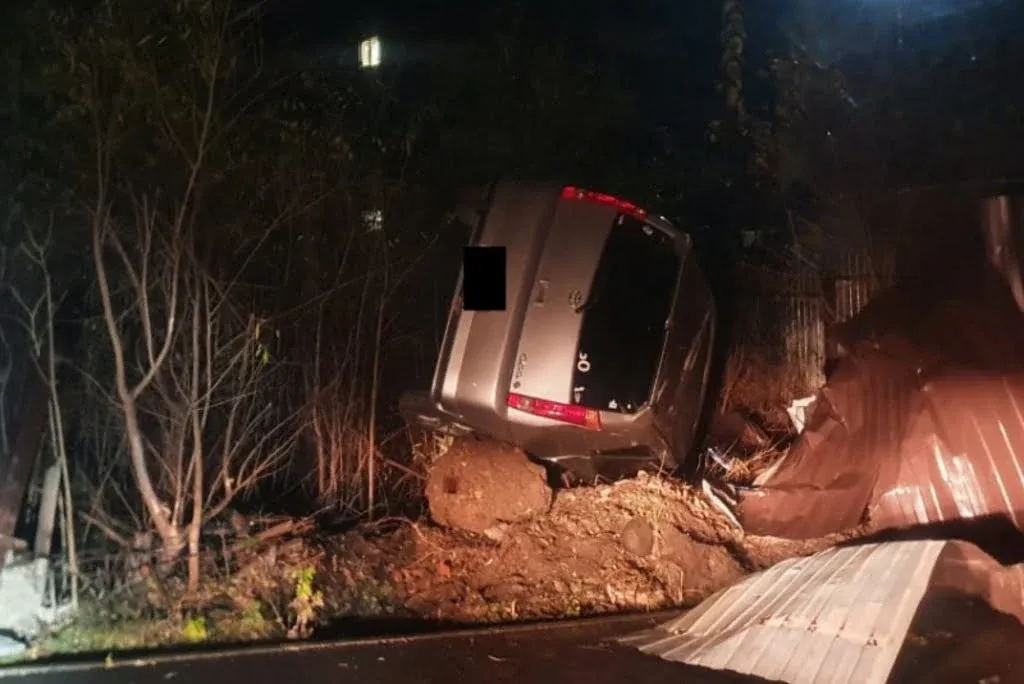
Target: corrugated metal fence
x=858 y=279
x=782 y=311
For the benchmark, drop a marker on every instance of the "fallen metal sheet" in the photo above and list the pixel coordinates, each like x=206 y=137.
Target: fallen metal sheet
x=832 y=468
x=921 y=423
x=965 y=568
x=961 y=457
x=838 y=617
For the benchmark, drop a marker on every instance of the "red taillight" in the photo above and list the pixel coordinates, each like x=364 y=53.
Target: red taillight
x=567 y=413
x=580 y=195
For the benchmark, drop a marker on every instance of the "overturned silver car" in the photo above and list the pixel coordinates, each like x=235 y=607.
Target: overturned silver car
x=598 y=362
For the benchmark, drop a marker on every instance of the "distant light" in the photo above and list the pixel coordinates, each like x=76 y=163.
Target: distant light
x=369 y=52
x=373 y=220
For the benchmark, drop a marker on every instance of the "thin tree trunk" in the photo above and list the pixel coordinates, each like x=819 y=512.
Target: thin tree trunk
x=57 y=428
x=196 y=524
x=371 y=477
x=169 y=534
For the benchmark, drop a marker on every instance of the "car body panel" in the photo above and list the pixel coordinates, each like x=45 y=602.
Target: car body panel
x=544 y=362
x=476 y=362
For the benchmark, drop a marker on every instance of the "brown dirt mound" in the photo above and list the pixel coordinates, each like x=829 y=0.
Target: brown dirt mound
x=640 y=544
x=479 y=484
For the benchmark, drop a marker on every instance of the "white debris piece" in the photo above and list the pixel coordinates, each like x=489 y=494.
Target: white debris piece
x=720 y=502
x=799 y=410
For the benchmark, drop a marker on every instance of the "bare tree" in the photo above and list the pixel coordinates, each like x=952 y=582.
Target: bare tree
x=161 y=90
x=199 y=426
x=39 y=318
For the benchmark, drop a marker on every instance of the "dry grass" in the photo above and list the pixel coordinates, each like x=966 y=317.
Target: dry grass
x=745 y=468
x=755 y=386
x=760 y=391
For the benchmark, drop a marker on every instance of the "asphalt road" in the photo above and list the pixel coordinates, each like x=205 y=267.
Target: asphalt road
x=952 y=640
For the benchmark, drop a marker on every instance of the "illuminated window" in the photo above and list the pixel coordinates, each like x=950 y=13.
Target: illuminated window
x=373 y=220
x=369 y=52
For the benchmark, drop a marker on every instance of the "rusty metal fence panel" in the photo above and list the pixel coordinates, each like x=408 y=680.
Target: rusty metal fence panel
x=859 y=277
x=783 y=312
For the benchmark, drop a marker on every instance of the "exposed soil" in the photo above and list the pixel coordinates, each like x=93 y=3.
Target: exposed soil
x=639 y=544
x=507 y=548
x=477 y=484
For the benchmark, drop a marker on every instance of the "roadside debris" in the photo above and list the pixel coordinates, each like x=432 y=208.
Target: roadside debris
x=730 y=430
x=839 y=616
x=737 y=451
x=920 y=423
x=798 y=411
x=28 y=604
x=919 y=427
x=716 y=456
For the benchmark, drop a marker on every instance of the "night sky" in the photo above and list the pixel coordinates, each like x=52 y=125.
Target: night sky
x=679 y=34
x=323 y=20
x=676 y=31
x=669 y=49
x=674 y=45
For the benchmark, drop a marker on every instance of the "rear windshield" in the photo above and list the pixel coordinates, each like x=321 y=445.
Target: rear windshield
x=624 y=318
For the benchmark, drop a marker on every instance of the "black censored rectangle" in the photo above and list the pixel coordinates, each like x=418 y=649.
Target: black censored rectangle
x=483 y=278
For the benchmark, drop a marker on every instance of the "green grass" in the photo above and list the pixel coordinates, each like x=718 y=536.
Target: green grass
x=95 y=632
